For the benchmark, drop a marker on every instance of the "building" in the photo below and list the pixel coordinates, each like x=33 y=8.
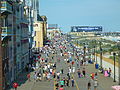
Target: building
x=17 y=30
x=53 y=31
x=35 y=7
x=40 y=27
x=44 y=18
x=7 y=40
x=1 y=64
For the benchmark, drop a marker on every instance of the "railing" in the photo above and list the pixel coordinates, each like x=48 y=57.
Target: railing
x=5 y=6
x=6 y=31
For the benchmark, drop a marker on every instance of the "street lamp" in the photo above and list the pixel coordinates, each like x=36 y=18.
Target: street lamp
x=100 y=55
x=94 y=53
x=118 y=45
x=114 y=54
x=73 y=50
x=77 y=42
x=84 y=52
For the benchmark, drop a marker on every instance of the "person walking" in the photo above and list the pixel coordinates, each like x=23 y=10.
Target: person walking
x=89 y=85
x=72 y=81
x=67 y=82
x=62 y=70
x=95 y=84
x=61 y=88
x=109 y=72
x=73 y=69
x=28 y=76
x=78 y=71
x=15 y=85
x=57 y=85
x=84 y=72
x=68 y=75
x=61 y=82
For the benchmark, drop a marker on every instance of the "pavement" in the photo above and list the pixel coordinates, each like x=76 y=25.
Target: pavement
x=105 y=83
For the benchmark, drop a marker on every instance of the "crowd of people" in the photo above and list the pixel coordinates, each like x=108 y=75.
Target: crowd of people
x=48 y=59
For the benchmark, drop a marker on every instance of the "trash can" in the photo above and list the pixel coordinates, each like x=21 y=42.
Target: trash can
x=97 y=66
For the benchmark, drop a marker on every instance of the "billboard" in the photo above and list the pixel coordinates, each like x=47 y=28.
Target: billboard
x=86 y=29
x=52 y=26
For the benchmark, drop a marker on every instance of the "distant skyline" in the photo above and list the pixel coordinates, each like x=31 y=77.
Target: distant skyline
x=67 y=13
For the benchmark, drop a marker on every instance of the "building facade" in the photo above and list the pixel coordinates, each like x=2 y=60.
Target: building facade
x=17 y=21
x=40 y=29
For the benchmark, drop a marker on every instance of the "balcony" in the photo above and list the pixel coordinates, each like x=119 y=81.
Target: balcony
x=6 y=7
x=6 y=31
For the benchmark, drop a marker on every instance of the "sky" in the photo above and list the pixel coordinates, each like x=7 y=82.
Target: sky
x=67 y=13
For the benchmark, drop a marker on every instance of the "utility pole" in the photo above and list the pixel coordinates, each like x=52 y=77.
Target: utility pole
x=94 y=53
x=1 y=66
x=100 y=55
x=114 y=54
x=84 y=49
x=118 y=44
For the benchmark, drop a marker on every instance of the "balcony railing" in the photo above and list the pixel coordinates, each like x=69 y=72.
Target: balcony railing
x=6 y=31
x=6 y=7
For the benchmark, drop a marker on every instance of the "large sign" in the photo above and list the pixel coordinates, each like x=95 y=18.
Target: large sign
x=52 y=26
x=86 y=28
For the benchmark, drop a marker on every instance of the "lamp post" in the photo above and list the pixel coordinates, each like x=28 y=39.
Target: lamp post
x=77 y=42
x=118 y=44
x=100 y=55
x=94 y=53
x=73 y=50
x=84 y=52
x=114 y=54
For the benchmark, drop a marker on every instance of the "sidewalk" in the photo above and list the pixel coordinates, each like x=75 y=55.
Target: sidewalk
x=23 y=83
x=104 y=82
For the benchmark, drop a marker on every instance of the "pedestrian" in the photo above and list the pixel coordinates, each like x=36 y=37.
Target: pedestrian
x=48 y=76
x=28 y=76
x=106 y=72
x=78 y=71
x=57 y=85
x=109 y=72
x=67 y=82
x=92 y=76
x=62 y=70
x=73 y=69
x=68 y=75
x=84 y=72
x=26 y=67
x=96 y=75
x=35 y=76
x=70 y=70
x=77 y=64
x=64 y=79
x=39 y=77
x=15 y=85
x=89 y=85
x=72 y=82
x=61 y=82
x=72 y=63
x=58 y=75
x=95 y=84
x=61 y=88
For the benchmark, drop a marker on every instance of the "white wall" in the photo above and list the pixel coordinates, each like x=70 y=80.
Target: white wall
x=107 y=65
